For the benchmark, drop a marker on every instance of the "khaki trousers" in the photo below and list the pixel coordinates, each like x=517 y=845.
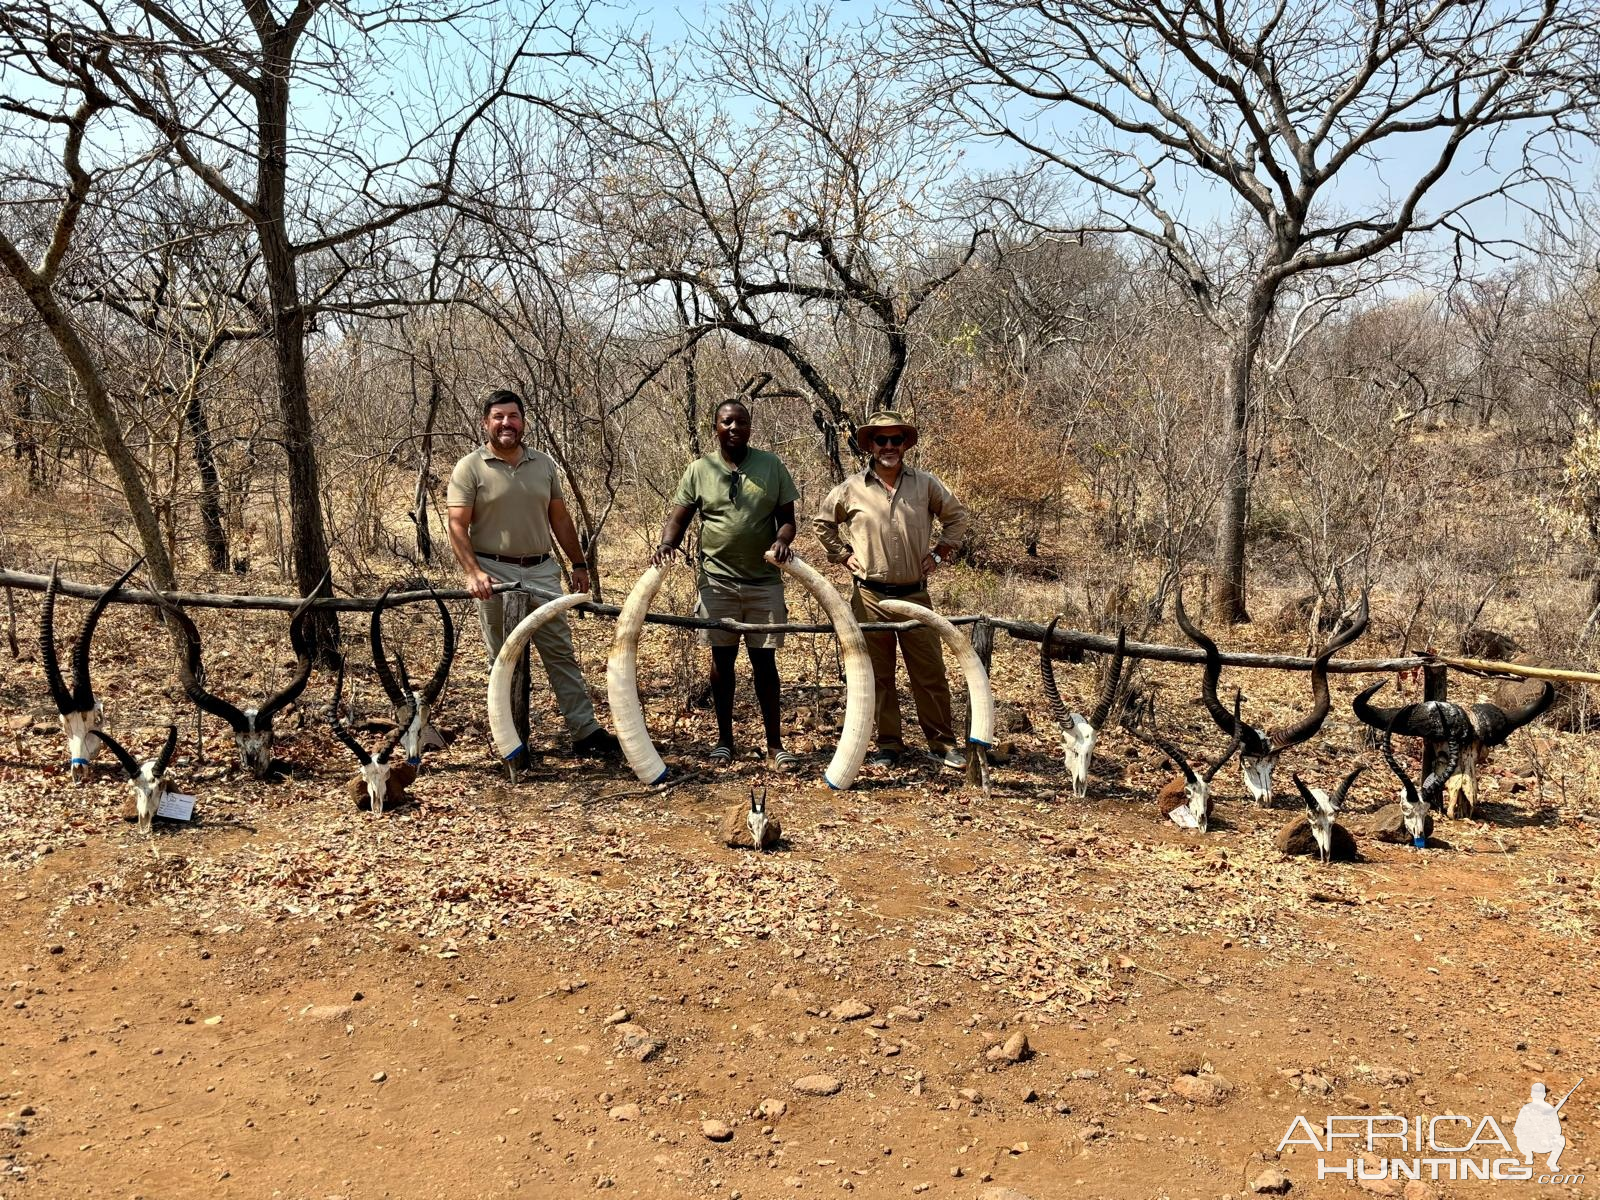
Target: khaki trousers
x=504 y=611
x=924 y=664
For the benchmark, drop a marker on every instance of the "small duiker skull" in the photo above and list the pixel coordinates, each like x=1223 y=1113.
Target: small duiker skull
x=756 y=820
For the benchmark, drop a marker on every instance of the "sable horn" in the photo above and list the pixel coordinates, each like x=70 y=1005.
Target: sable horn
x=380 y=660
x=1047 y=675
x=1226 y=721
x=1495 y=724
x=340 y=730
x=302 y=654
x=82 y=686
x=1176 y=757
x=47 y=647
x=402 y=722
x=191 y=670
x=441 y=673
x=130 y=765
x=1237 y=740
x=1108 y=686
x=164 y=759
x=1305 y=729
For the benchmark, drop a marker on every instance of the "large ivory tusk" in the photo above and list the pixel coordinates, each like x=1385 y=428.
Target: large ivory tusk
x=980 y=700
x=858 y=692
x=501 y=726
x=622 y=680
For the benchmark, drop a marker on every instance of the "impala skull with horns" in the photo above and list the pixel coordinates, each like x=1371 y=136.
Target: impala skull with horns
x=1196 y=785
x=419 y=733
x=252 y=727
x=1079 y=733
x=1463 y=735
x=1261 y=748
x=377 y=770
x=149 y=778
x=81 y=712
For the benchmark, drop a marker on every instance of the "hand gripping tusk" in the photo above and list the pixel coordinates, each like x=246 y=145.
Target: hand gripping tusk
x=501 y=726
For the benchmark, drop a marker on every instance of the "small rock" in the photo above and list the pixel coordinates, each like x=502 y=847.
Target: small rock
x=27 y=1110
x=1029 y=1095
x=638 y=1042
x=1271 y=1182
x=773 y=1109
x=213 y=1020
x=57 y=948
x=618 y=1017
x=970 y=1095
x=624 y=1112
x=1013 y=1050
x=1205 y=1090
x=379 y=1076
x=331 y=1013
x=1002 y=1193
x=716 y=1131
x=1086 y=1073
x=901 y=1012
x=817 y=1085
x=1316 y=1084
x=850 y=1010
x=1417 y=1190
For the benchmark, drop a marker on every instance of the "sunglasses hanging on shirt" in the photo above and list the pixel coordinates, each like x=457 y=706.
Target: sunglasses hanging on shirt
x=734 y=480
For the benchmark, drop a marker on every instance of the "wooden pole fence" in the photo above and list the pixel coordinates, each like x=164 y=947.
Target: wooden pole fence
x=1026 y=631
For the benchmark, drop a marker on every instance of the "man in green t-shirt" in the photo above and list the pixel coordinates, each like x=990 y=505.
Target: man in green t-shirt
x=745 y=498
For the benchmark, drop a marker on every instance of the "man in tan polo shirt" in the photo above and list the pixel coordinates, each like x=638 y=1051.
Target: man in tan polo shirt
x=506 y=515
x=879 y=524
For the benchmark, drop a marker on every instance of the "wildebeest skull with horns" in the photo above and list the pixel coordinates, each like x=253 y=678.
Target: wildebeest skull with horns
x=1261 y=748
x=1461 y=734
x=419 y=733
x=252 y=727
x=1079 y=733
x=81 y=711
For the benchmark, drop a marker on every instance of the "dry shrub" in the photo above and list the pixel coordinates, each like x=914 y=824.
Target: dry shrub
x=1004 y=463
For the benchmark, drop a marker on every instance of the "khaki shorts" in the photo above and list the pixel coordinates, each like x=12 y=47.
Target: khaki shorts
x=754 y=603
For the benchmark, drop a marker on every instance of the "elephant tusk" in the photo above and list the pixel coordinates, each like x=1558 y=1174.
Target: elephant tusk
x=858 y=716
x=501 y=726
x=980 y=699
x=622 y=681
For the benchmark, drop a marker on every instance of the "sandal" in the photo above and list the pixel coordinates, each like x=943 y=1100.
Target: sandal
x=721 y=756
x=786 y=761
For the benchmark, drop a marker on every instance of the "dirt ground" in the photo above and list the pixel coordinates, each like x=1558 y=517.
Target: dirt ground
x=567 y=985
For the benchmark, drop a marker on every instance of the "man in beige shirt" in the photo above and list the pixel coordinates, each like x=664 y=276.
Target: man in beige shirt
x=879 y=524
x=506 y=515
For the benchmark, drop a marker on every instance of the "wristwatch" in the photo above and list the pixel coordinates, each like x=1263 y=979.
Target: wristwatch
x=936 y=557
x=580 y=566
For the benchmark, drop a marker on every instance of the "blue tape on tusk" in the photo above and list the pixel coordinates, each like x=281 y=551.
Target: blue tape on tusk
x=1419 y=843
x=664 y=773
x=516 y=752
x=417 y=762
x=829 y=782
x=80 y=762
x=972 y=741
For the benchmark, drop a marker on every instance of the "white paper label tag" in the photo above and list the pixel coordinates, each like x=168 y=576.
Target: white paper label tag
x=1183 y=818
x=175 y=806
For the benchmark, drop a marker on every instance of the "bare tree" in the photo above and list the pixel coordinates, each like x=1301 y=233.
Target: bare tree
x=226 y=93
x=794 y=192
x=1273 y=107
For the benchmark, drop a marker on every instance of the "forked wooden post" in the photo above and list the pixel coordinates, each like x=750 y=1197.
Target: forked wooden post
x=982 y=634
x=1435 y=686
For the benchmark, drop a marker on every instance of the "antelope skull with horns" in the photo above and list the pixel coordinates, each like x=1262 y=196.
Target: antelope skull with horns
x=1079 y=733
x=375 y=768
x=81 y=712
x=1415 y=807
x=419 y=733
x=1261 y=748
x=1463 y=735
x=1321 y=809
x=252 y=727
x=149 y=778
x=1196 y=785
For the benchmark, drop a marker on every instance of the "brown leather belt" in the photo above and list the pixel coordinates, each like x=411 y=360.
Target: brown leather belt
x=514 y=560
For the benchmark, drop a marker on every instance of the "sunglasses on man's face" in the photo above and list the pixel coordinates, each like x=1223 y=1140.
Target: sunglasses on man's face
x=889 y=439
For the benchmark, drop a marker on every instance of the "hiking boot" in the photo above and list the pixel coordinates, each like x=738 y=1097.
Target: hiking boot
x=883 y=758
x=598 y=744
x=949 y=756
